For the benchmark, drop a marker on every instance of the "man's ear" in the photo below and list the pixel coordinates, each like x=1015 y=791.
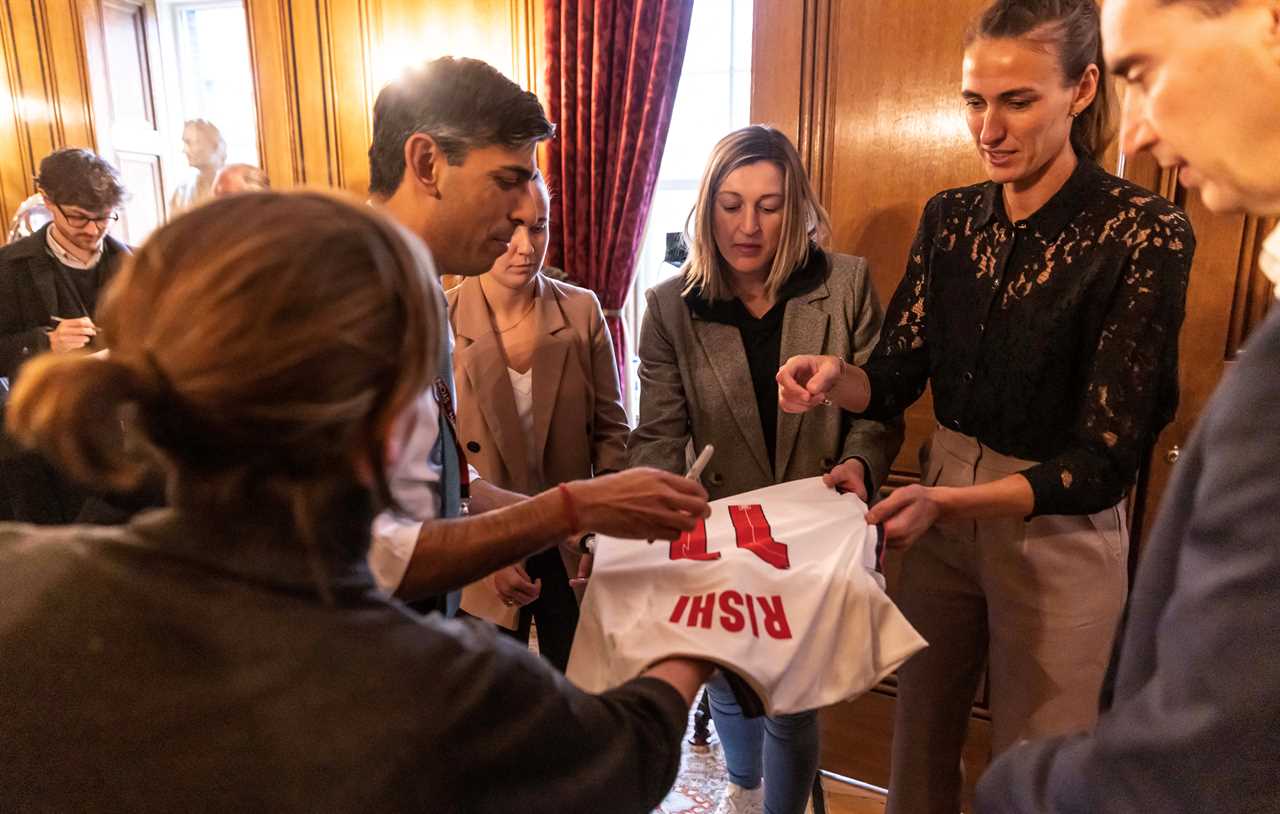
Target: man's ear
x=423 y=163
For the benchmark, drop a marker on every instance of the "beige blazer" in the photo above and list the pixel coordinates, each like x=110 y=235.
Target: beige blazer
x=579 y=426
x=695 y=385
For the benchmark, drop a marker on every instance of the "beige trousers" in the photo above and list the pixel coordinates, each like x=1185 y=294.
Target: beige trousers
x=1037 y=602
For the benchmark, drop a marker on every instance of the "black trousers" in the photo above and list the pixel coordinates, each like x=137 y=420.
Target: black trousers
x=555 y=611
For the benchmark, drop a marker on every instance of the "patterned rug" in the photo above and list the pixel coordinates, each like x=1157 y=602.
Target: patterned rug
x=701 y=780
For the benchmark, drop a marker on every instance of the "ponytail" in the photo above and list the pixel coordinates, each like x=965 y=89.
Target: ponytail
x=72 y=409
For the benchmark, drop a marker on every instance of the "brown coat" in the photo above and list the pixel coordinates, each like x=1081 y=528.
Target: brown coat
x=579 y=426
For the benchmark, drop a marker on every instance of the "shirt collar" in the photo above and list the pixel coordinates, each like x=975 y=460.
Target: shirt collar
x=1050 y=219
x=1270 y=260
x=65 y=257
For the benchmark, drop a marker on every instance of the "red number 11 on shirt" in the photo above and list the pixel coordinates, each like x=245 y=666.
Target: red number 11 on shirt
x=752 y=530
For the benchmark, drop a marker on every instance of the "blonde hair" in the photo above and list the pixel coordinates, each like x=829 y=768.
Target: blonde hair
x=259 y=345
x=804 y=221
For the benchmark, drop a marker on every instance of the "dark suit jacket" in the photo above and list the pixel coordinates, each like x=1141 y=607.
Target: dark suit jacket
x=1194 y=725
x=30 y=489
x=695 y=385
x=28 y=296
x=175 y=665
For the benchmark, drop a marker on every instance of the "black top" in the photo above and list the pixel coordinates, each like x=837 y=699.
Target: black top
x=189 y=664
x=77 y=289
x=34 y=287
x=762 y=337
x=1053 y=339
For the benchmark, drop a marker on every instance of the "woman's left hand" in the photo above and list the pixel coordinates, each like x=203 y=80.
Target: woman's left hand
x=907 y=514
x=849 y=476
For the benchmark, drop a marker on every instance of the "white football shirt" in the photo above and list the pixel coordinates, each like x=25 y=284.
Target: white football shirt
x=780 y=586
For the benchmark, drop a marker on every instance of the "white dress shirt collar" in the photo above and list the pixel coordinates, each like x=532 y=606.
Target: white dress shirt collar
x=65 y=257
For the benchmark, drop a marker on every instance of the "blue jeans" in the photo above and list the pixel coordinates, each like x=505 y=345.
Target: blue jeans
x=782 y=749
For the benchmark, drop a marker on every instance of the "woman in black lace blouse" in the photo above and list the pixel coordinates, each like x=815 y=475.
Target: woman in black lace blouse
x=1043 y=306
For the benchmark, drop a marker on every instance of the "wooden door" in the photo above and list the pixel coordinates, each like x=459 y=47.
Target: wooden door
x=870 y=94
x=123 y=47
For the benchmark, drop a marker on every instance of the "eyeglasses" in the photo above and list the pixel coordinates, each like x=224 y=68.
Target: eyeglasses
x=81 y=221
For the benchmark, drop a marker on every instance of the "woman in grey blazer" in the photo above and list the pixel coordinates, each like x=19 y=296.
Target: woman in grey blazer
x=756 y=290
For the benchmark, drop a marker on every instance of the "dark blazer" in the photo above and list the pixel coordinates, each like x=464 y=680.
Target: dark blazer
x=30 y=489
x=175 y=665
x=1194 y=724
x=28 y=296
x=695 y=385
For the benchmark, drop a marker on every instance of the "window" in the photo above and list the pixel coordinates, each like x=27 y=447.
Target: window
x=713 y=98
x=214 y=76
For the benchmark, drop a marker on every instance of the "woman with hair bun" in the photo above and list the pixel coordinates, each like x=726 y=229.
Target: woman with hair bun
x=232 y=652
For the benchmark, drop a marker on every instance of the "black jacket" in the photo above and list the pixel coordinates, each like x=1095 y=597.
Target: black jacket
x=28 y=295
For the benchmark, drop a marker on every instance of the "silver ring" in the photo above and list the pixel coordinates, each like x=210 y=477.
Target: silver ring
x=508 y=602
x=826 y=401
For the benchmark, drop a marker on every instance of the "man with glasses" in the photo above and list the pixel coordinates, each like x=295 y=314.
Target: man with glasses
x=49 y=285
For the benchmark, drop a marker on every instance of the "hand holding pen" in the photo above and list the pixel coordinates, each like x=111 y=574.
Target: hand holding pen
x=71 y=334
x=586 y=544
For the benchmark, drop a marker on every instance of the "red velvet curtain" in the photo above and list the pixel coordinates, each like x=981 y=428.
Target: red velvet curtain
x=612 y=71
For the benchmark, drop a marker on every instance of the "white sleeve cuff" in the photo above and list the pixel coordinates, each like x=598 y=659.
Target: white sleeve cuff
x=394 y=539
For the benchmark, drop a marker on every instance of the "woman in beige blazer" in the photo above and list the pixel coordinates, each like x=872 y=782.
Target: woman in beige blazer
x=755 y=290
x=538 y=386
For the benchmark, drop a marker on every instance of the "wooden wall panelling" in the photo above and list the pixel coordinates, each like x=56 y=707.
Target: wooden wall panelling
x=789 y=73
x=412 y=32
x=777 y=66
x=46 y=100
x=15 y=154
x=1254 y=294
x=528 y=38
x=311 y=65
x=271 y=48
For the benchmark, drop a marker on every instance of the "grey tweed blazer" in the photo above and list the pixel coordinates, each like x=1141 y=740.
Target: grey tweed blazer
x=695 y=386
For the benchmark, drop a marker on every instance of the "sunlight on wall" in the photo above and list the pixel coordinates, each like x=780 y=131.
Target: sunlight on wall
x=404 y=49
x=32 y=110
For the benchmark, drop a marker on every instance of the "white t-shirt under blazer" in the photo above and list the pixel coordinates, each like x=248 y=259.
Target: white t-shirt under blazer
x=779 y=585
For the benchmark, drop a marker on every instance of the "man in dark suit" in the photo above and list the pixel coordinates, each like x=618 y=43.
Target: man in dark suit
x=1194 y=722
x=49 y=286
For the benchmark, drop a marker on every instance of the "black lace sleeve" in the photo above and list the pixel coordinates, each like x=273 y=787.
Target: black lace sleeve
x=899 y=366
x=1132 y=390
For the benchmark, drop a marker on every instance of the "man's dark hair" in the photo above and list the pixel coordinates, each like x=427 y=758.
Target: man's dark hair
x=77 y=177
x=463 y=104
